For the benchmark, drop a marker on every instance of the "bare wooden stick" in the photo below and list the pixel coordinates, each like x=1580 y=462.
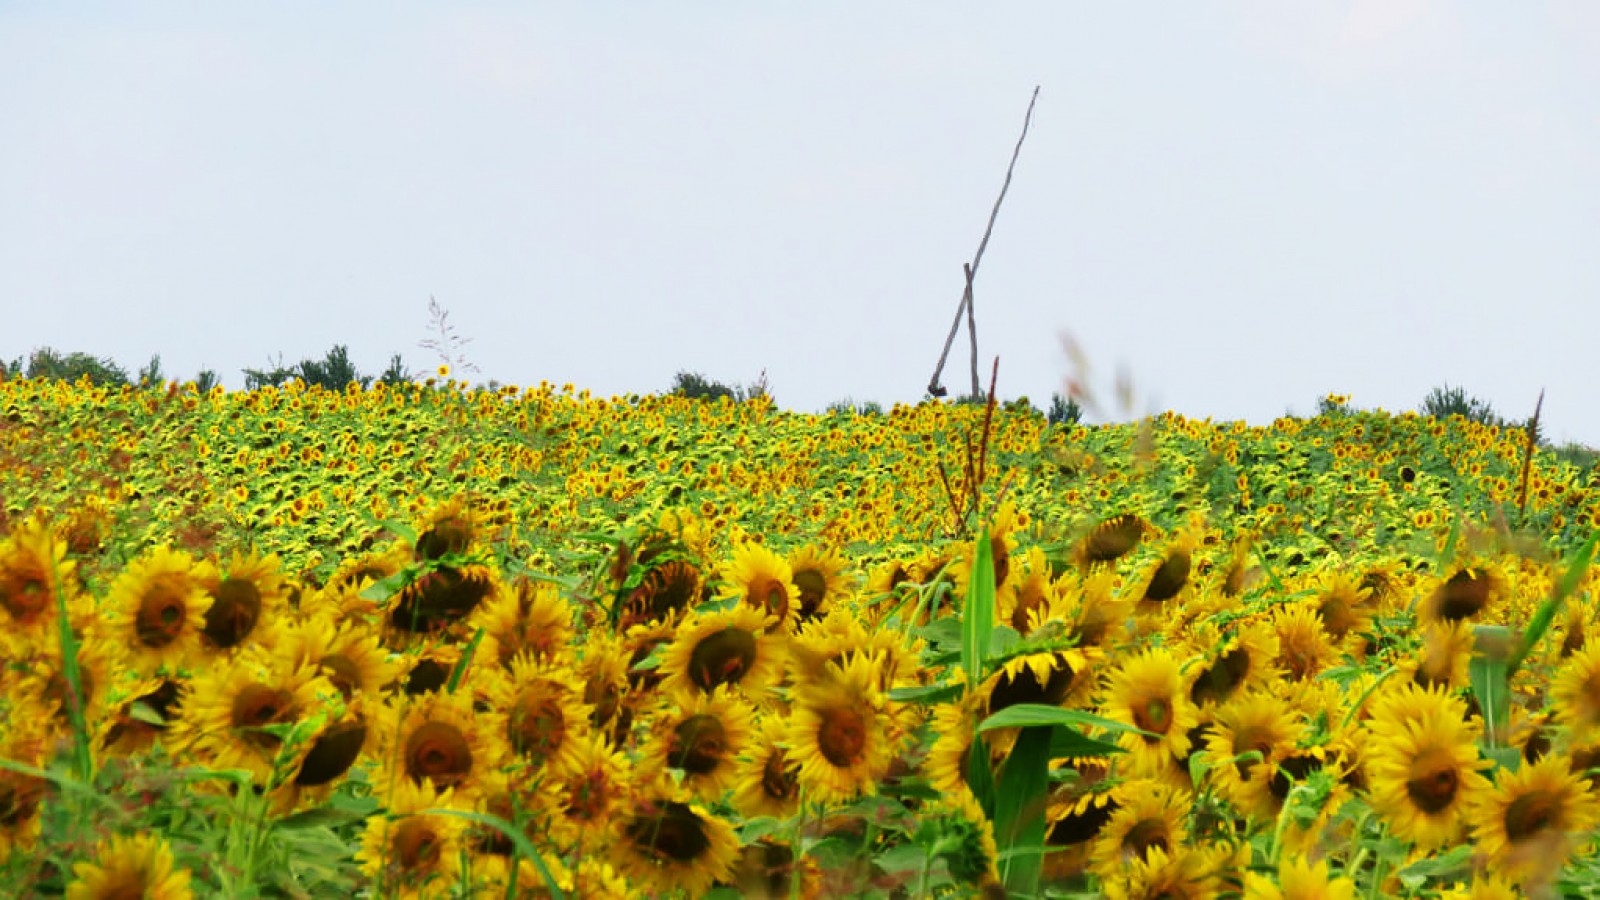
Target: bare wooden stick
x=934 y=389
x=1527 y=459
x=972 y=329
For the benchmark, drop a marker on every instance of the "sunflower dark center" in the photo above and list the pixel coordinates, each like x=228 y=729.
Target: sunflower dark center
x=449 y=536
x=416 y=846
x=25 y=597
x=842 y=736
x=257 y=706
x=699 y=745
x=427 y=675
x=1338 y=616
x=670 y=833
x=1247 y=739
x=1169 y=577
x=439 y=751
x=590 y=796
x=1433 y=781
x=20 y=796
x=1000 y=558
x=332 y=754
x=235 y=608
x=813 y=586
x=536 y=727
x=769 y=594
x=1154 y=715
x=1078 y=827
x=1144 y=836
x=1533 y=814
x=343 y=672
x=778 y=781
x=163 y=610
x=1291 y=770
x=1024 y=686
x=722 y=658
x=1220 y=679
x=1113 y=538
x=1465 y=594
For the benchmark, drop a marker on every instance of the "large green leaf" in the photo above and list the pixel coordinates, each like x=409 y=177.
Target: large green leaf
x=1019 y=814
x=977 y=620
x=1023 y=715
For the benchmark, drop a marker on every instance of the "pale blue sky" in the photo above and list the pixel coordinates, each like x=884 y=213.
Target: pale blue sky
x=1246 y=205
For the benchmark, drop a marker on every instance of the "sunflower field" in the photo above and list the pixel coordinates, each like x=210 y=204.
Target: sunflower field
x=433 y=641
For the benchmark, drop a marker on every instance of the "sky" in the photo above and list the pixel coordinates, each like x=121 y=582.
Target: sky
x=1244 y=206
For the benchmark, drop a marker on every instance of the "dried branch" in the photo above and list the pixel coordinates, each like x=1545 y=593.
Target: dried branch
x=1527 y=458
x=934 y=389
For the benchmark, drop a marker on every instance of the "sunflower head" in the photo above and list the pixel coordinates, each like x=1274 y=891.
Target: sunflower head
x=1533 y=818
x=760 y=578
x=1112 y=539
x=139 y=865
x=158 y=605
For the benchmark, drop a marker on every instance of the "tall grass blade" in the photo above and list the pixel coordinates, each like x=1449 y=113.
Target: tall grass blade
x=525 y=848
x=977 y=620
x=1019 y=815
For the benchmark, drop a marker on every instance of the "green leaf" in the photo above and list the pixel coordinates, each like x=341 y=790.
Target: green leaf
x=525 y=848
x=903 y=858
x=382 y=590
x=980 y=777
x=460 y=670
x=1002 y=641
x=1069 y=743
x=1489 y=675
x=1019 y=816
x=1023 y=715
x=926 y=694
x=322 y=816
x=977 y=620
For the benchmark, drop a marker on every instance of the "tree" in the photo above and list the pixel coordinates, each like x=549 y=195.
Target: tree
x=151 y=375
x=1064 y=411
x=698 y=387
x=396 y=374
x=102 y=371
x=334 y=372
x=205 y=381
x=1443 y=402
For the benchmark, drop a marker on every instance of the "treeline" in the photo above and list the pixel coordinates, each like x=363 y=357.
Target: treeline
x=334 y=371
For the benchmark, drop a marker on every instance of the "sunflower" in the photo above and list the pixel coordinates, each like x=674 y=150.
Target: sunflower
x=1034 y=599
x=1529 y=823
x=592 y=792
x=41 y=675
x=1304 y=648
x=531 y=618
x=703 y=736
x=1468 y=592
x=1575 y=693
x=664 y=592
x=158 y=606
x=139 y=865
x=841 y=634
x=768 y=869
x=839 y=732
x=1149 y=816
x=1178 y=873
x=331 y=752
x=732 y=647
x=1097 y=618
x=818 y=575
x=1080 y=806
x=955 y=725
x=33 y=568
x=1148 y=692
x=1255 y=721
x=449 y=529
x=1238 y=660
x=538 y=707
x=1298 y=879
x=349 y=654
x=21 y=795
x=767 y=783
x=1111 y=540
x=669 y=845
x=1049 y=678
x=437 y=738
x=967 y=838
x=440 y=598
x=761 y=578
x=225 y=715
x=1422 y=763
x=244 y=601
x=1345 y=607
x=1166 y=578
x=1446 y=653
x=408 y=851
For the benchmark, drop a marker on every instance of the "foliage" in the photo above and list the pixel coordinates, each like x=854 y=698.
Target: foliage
x=1064 y=411
x=1445 y=401
x=334 y=372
